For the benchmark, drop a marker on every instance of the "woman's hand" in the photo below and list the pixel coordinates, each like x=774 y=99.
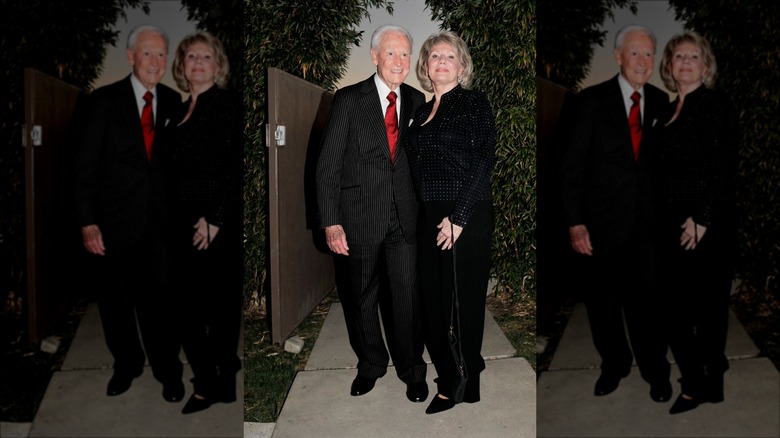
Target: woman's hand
x=692 y=234
x=445 y=238
x=204 y=234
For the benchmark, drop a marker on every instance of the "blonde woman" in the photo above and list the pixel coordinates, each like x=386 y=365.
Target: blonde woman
x=205 y=186
x=451 y=147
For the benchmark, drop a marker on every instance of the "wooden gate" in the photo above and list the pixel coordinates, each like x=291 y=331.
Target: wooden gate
x=301 y=268
x=51 y=233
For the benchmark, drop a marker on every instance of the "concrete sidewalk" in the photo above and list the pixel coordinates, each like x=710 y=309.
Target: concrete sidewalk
x=319 y=403
x=567 y=407
x=76 y=404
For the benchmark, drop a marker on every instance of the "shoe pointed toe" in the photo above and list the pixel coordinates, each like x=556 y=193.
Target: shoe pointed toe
x=195 y=404
x=439 y=404
x=683 y=404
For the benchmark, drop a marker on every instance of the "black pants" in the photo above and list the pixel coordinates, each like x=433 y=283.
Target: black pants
x=622 y=287
x=394 y=261
x=698 y=282
x=134 y=284
x=209 y=289
x=436 y=276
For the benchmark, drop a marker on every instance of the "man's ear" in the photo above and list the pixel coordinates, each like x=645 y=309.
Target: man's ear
x=374 y=57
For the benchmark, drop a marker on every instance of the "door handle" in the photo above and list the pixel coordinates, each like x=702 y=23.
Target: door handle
x=280 y=135
x=36 y=134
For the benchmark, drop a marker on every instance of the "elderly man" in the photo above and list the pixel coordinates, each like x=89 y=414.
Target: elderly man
x=120 y=207
x=368 y=208
x=607 y=206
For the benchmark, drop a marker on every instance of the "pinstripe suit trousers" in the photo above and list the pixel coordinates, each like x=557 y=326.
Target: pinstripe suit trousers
x=394 y=261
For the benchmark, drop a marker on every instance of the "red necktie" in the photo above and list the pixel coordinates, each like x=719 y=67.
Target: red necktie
x=147 y=123
x=635 y=124
x=391 y=124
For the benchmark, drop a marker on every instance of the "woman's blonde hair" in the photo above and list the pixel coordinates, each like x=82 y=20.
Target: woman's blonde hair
x=223 y=67
x=708 y=59
x=461 y=51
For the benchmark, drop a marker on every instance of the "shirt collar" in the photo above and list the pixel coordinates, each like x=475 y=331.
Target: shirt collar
x=627 y=89
x=383 y=89
x=139 y=90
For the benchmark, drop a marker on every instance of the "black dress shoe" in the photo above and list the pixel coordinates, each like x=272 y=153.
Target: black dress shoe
x=173 y=391
x=607 y=383
x=120 y=382
x=683 y=404
x=195 y=404
x=661 y=391
x=439 y=404
x=417 y=392
x=361 y=385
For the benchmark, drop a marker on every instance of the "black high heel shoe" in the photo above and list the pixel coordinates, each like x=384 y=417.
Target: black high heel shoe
x=195 y=404
x=683 y=404
x=439 y=404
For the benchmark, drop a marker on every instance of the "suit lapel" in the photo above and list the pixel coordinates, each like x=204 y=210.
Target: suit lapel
x=406 y=111
x=131 y=118
x=372 y=108
x=653 y=110
x=166 y=109
x=617 y=110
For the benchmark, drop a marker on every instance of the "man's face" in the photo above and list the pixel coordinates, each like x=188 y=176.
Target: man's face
x=636 y=59
x=392 y=58
x=149 y=58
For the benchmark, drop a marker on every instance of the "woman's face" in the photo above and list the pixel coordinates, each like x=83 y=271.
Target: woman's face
x=443 y=65
x=200 y=65
x=687 y=64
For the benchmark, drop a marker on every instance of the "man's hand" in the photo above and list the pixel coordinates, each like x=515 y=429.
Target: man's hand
x=93 y=240
x=580 y=239
x=445 y=239
x=337 y=239
x=204 y=234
